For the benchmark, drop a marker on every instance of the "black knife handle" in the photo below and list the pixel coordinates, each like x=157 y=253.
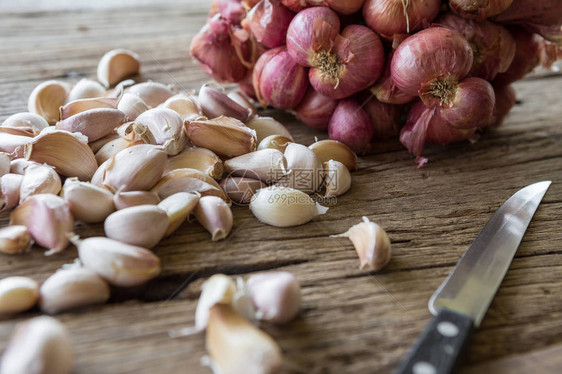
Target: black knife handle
x=440 y=345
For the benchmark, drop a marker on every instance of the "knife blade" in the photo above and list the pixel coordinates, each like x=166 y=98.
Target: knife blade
x=462 y=300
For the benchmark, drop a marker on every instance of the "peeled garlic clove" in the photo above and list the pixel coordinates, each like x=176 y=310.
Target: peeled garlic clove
x=163 y=127
x=241 y=99
x=26 y=119
x=113 y=147
x=85 y=89
x=5 y=163
x=67 y=152
x=132 y=105
x=10 y=191
x=127 y=199
x=241 y=189
x=225 y=136
x=41 y=345
x=306 y=172
x=215 y=216
x=39 y=179
x=267 y=165
x=17 y=294
x=78 y=106
x=14 y=144
x=371 y=243
x=116 y=65
x=15 y=239
x=184 y=104
x=284 y=207
x=93 y=123
x=338 y=178
x=237 y=346
x=276 y=296
x=47 y=98
x=278 y=142
x=142 y=226
x=327 y=150
x=218 y=289
x=120 y=264
x=216 y=103
x=95 y=146
x=266 y=126
x=135 y=168
x=152 y=93
x=178 y=207
x=87 y=203
x=197 y=158
x=72 y=288
x=188 y=180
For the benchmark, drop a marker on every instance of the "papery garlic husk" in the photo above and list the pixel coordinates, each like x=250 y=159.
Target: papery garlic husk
x=178 y=207
x=184 y=104
x=327 y=150
x=93 y=123
x=10 y=191
x=18 y=165
x=17 y=294
x=278 y=142
x=67 y=152
x=241 y=99
x=126 y=131
x=26 y=119
x=47 y=98
x=216 y=103
x=152 y=93
x=71 y=288
x=15 y=239
x=276 y=295
x=116 y=65
x=338 y=178
x=5 y=163
x=266 y=126
x=127 y=199
x=14 y=144
x=132 y=105
x=136 y=168
x=87 y=203
x=113 y=147
x=215 y=216
x=225 y=136
x=39 y=179
x=240 y=189
x=79 y=106
x=284 y=207
x=305 y=169
x=371 y=243
x=163 y=127
x=48 y=219
x=267 y=165
x=237 y=346
x=21 y=131
x=119 y=88
x=85 y=89
x=120 y=264
x=142 y=226
x=197 y=158
x=41 y=345
x=95 y=146
x=188 y=180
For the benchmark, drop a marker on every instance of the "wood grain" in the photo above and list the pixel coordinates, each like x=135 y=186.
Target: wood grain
x=352 y=321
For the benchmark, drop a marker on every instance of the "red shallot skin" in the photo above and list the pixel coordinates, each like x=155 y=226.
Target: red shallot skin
x=384 y=117
x=316 y=110
x=344 y=6
x=540 y=12
x=505 y=100
x=357 y=64
x=351 y=126
x=231 y=10
x=269 y=21
x=386 y=91
x=436 y=53
x=387 y=17
x=297 y=5
x=478 y=10
x=247 y=87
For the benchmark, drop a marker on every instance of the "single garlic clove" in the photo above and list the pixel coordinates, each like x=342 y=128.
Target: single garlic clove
x=197 y=158
x=72 y=288
x=215 y=216
x=97 y=178
x=227 y=137
x=26 y=119
x=87 y=202
x=17 y=294
x=241 y=189
x=188 y=180
x=276 y=296
x=15 y=239
x=178 y=207
x=120 y=264
x=184 y=104
x=79 y=106
x=20 y=131
x=85 y=89
x=306 y=172
x=371 y=243
x=218 y=289
x=327 y=150
x=266 y=126
x=93 y=123
x=132 y=105
x=47 y=98
x=10 y=191
x=237 y=346
x=127 y=199
x=113 y=147
x=152 y=93
x=14 y=144
x=216 y=103
x=278 y=142
x=241 y=99
x=18 y=165
x=95 y=146
x=338 y=178
x=284 y=207
x=41 y=345
x=163 y=127
x=141 y=226
x=5 y=163
x=116 y=65
x=39 y=179
x=267 y=165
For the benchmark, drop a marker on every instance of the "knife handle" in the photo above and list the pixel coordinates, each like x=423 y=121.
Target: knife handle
x=439 y=347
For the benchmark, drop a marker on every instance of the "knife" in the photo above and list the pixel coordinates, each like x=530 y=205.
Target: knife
x=461 y=301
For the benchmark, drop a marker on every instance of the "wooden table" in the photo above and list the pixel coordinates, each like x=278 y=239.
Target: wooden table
x=351 y=321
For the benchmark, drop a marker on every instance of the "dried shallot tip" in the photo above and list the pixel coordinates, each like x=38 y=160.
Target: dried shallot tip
x=116 y=65
x=215 y=103
x=267 y=165
x=241 y=189
x=14 y=144
x=47 y=98
x=10 y=191
x=351 y=126
x=305 y=172
x=231 y=10
x=48 y=219
x=39 y=179
x=197 y=158
x=184 y=104
x=480 y=9
x=178 y=207
x=5 y=163
x=15 y=239
x=113 y=147
x=386 y=91
x=268 y=21
x=315 y=110
x=161 y=126
x=505 y=100
x=93 y=123
x=142 y=226
x=132 y=105
x=152 y=93
x=87 y=202
x=26 y=120
x=85 y=89
x=78 y=106
x=72 y=288
x=17 y=294
x=215 y=216
x=338 y=178
x=385 y=118
x=278 y=142
x=225 y=136
x=266 y=126
x=188 y=180
x=276 y=296
x=127 y=199
x=327 y=150
x=371 y=243
x=242 y=99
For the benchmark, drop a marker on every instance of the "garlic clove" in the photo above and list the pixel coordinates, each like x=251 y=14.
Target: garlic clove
x=241 y=189
x=284 y=207
x=132 y=105
x=241 y=99
x=87 y=203
x=225 y=136
x=20 y=131
x=26 y=119
x=371 y=243
x=215 y=216
x=142 y=226
x=152 y=93
x=47 y=98
x=266 y=126
x=306 y=172
x=116 y=65
x=127 y=199
x=85 y=89
x=267 y=165
x=120 y=264
x=276 y=296
x=178 y=207
x=163 y=127
x=72 y=288
x=97 y=178
x=327 y=150
x=17 y=294
x=184 y=104
x=95 y=146
x=197 y=158
x=338 y=178
x=5 y=163
x=188 y=180
x=82 y=105
x=15 y=239
x=218 y=289
x=18 y=165
x=93 y=123
x=41 y=345
x=113 y=147
x=10 y=191
x=278 y=142
x=14 y=144
x=215 y=103
x=39 y=179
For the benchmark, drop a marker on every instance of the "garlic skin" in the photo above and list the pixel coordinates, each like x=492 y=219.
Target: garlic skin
x=95 y=146
x=17 y=294
x=241 y=99
x=18 y=165
x=87 y=203
x=9 y=191
x=371 y=243
x=113 y=147
x=278 y=142
x=284 y=207
x=178 y=207
x=117 y=65
x=163 y=127
x=5 y=163
x=13 y=144
x=184 y=104
x=47 y=98
x=266 y=126
x=152 y=93
x=215 y=216
x=20 y=131
x=215 y=103
x=132 y=105
x=93 y=123
x=41 y=345
x=327 y=150
x=129 y=199
x=338 y=178
x=85 y=89
x=39 y=179
x=142 y=226
x=201 y=159
x=306 y=172
x=267 y=165
x=218 y=289
x=240 y=190
x=188 y=180
x=82 y=105
x=26 y=120
x=276 y=296
x=15 y=239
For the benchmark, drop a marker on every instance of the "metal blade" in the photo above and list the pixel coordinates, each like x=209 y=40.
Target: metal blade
x=471 y=286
